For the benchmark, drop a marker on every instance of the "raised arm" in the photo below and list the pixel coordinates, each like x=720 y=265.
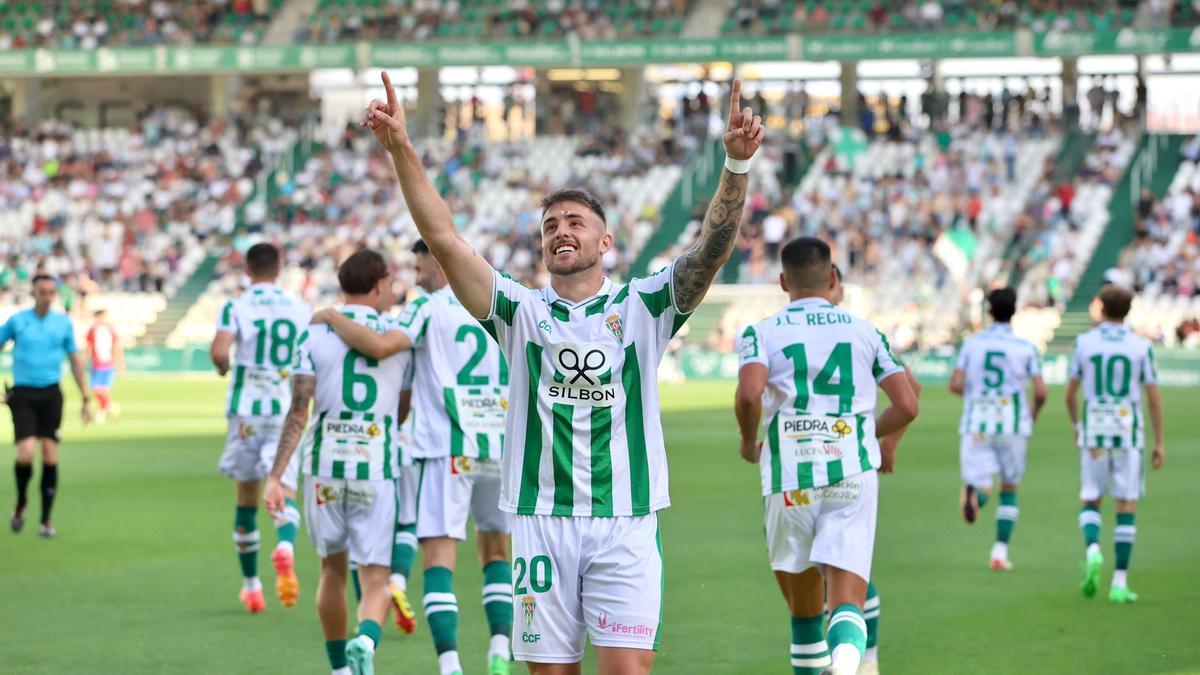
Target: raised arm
x=303 y=387
x=469 y=274
x=361 y=338
x=695 y=270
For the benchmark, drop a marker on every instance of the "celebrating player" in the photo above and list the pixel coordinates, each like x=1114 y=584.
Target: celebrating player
x=458 y=432
x=994 y=367
x=265 y=322
x=107 y=356
x=1113 y=365
x=348 y=460
x=584 y=466
x=819 y=367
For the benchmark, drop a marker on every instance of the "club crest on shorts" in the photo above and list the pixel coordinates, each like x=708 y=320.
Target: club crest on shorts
x=245 y=431
x=796 y=498
x=614 y=326
x=528 y=606
x=324 y=494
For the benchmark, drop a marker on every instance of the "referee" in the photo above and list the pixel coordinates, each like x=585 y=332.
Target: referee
x=41 y=338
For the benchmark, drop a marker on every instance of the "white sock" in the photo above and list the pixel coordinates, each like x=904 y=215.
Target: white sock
x=286 y=546
x=1119 y=578
x=498 y=646
x=872 y=654
x=1000 y=551
x=399 y=580
x=846 y=659
x=448 y=661
x=1093 y=549
x=252 y=584
x=344 y=670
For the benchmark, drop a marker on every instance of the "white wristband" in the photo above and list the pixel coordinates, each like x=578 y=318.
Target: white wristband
x=737 y=165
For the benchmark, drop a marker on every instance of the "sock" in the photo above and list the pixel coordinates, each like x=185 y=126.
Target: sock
x=252 y=584
x=810 y=653
x=404 y=549
x=497 y=599
x=370 y=630
x=399 y=581
x=344 y=670
x=1123 y=537
x=982 y=497
x=441 y=609
x=847 y=639
x=1089 y=522
x=246 y=537
x=1006 y=516
x=354 y=581
x=102 y=397
x=498 y=645
x=871 y=614
x=336 y=651
x=24 y=473
x=288 y=524
x=49 y=489
x=448 y=662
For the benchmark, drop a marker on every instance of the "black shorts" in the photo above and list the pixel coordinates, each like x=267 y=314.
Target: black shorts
x=36 y=411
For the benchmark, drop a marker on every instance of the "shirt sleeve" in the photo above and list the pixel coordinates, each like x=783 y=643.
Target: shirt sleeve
x=69 y=338
x=1149 y=367
x=886 y=363
x=227 y=318
x=507 y=296
x=1035 y=362
x=961 y=362
x=414 y=320
x=8 y=330
x=657 y=294
x=406 y=382
x=1075 y=370
x=302 y=363
x=750 y=348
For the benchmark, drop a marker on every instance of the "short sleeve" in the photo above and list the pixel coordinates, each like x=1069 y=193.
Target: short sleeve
x=227 y=318
x=961 y=363
x=1149 y=367
x=507 y=296
x=406 y=381
x=69 y=336
x=414 y=320
x=657 y=294
x=750 y=348
x=1035 y=362
x=302 y=362
x=8 y=330
x=886 y=363
x=1075 y=370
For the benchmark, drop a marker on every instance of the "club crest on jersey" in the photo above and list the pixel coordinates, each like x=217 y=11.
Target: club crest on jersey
x=528 y=607
x=614 y=326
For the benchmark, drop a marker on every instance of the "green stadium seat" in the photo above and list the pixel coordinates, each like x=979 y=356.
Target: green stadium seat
x=1128 y=16
x=838 y=22
x=676 y=26
x=658 y=26
x=729 y=26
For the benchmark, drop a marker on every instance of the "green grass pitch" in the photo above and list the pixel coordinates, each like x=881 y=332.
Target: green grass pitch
x=143 y=577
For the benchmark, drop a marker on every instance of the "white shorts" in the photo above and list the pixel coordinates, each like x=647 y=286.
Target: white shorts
x=250 y=447
x=453 y=488
x=1119 y=472
x=983 y=457
x=354 y=515
x=407 y=485
x=291 y=475
x=580 y=577
x=832 y=525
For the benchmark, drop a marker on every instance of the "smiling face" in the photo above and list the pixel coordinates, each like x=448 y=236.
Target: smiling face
x=573 y=238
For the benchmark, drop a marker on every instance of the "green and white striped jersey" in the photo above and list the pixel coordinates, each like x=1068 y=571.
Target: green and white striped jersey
x=997 y=366
x=823 y=368
x=266 y=323
x=461 y=382
x=354 y=431
x=1112 y=364
x=583 y=432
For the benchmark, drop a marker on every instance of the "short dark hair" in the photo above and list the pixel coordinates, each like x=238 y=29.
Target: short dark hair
x=419 y=247
x=99 y=313
x=360 y=272
x=263 y=260
x=1115 y=301
x=807 y=262
x=574 y=195
x=1002 y=304
x=43 y=277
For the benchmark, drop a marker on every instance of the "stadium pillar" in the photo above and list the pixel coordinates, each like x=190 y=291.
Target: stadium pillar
x=429 y=102
x=222 y=93
x=849 y=102
x=633 y=96
x=26 y=99
x=1070 y=92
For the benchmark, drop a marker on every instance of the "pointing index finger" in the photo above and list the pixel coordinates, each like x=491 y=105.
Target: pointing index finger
x=735 y=98
x=387 y=86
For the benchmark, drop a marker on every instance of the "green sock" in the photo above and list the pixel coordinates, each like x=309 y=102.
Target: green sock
x=497 y=596
x=847 y=627
x=354 y=581
x=871 y=614
x=288 y=524
x=982 y=497
x=1006 y=516
x=404 y=549
x=1123 y=536
x=370 y=629
x=441 y=608
x=246 y=537
x=336 y=651
x=1089 y=522
x=810 y=653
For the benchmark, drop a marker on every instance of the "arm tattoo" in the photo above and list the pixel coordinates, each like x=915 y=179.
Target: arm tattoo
x=696 y=269
x=297 y=420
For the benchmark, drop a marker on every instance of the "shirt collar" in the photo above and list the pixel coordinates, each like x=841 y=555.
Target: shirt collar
x=1005 y=327
x=360 y=309
x=811 y=301
x=553 y=297
x=263 y=285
